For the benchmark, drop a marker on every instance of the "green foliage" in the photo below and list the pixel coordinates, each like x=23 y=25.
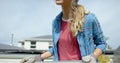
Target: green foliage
x=103 y=59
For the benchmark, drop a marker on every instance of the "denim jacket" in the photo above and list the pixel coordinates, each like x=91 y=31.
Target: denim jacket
x=92 y=36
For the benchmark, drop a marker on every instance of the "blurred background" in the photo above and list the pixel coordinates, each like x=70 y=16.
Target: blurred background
x=25 y=25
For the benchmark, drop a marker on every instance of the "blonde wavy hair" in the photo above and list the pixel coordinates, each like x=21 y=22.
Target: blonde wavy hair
x=77 y=22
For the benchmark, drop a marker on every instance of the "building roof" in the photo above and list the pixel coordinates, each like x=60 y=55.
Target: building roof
x=4 y=47
x=44 y=37
x=118 y=49
x=116 y=57
x=14 y=49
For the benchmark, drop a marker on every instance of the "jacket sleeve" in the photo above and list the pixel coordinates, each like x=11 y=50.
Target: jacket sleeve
x=51 y=50
x=98 y=36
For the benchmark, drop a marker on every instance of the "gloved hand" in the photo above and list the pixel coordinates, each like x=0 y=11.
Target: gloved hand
x=89 y=59
x=31 y=59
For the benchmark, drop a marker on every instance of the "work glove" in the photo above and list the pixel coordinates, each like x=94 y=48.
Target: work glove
x=89 y=59
x=31 y=59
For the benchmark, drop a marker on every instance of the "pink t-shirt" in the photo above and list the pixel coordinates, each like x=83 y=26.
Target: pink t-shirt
x=68 y=48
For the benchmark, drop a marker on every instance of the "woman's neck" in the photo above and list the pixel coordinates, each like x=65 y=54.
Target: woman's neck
x=66 y=12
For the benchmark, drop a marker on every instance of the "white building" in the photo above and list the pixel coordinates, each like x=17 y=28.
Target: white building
x=42 y=43
x=36 y=43
x=12 y=54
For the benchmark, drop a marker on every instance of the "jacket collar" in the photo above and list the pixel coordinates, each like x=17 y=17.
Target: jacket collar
x=59 y=16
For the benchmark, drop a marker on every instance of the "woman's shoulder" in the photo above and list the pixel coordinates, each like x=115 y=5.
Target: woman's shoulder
x=90 y=16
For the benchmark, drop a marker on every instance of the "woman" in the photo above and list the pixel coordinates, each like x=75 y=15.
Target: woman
x=76 y=35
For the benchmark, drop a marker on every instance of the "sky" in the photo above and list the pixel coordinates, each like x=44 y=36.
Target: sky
x=31 y=18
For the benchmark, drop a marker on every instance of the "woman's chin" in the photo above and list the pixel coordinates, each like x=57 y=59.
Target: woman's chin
x=59 y=2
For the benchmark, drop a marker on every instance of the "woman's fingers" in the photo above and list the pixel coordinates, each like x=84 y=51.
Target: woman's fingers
x=86 y=58
x=24 y=60
x=31 y=60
